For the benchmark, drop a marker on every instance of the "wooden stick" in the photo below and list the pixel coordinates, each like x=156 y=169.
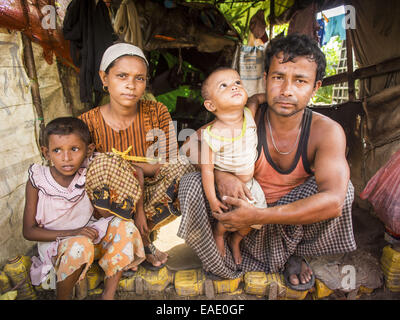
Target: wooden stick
x=29 y=62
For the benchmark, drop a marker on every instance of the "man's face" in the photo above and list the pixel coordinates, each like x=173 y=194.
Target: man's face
x=290 y=85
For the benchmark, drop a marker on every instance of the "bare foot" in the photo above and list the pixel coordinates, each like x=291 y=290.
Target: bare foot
x=234 y=244
x=161 y=256
x=305 y=275
x=152 y=259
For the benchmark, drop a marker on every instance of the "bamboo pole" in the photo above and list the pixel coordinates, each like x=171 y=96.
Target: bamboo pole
x=29 y=62
x=350 y=78
x=272 y=18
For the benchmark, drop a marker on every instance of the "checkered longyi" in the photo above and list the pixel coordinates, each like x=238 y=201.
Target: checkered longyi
x=266 y=249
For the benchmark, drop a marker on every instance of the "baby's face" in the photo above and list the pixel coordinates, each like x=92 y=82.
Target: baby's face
x=226 y=90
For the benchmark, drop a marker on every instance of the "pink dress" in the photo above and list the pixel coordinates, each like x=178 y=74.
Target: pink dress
x=60 y=208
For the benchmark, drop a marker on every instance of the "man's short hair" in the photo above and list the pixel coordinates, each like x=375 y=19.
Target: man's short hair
x=296 y=45
x=65 y=126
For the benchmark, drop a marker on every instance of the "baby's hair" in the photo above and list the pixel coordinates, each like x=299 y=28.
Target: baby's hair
x=65 y=126
x=204 y=87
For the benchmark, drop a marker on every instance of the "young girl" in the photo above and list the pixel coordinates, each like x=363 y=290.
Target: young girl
x=140 y=131
x=229 y=143
x=59 y=215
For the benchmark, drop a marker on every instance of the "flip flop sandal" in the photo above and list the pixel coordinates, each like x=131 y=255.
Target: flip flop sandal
x=151 y=249
x=293 y=266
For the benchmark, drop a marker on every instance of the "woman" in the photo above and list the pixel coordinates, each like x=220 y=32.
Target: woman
x=139 y=131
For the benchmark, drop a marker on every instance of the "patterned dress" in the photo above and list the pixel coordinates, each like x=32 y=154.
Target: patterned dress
x=118 y=246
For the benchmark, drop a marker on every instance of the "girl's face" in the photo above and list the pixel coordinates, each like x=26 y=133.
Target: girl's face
x=126 y=81
x=66 y=153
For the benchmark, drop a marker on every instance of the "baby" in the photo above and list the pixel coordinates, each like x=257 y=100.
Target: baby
x=229 y=143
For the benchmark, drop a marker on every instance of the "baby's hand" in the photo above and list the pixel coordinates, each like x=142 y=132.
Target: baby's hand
x=217 y=206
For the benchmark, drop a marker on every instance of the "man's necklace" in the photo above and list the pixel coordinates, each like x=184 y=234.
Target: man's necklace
x=273 y=141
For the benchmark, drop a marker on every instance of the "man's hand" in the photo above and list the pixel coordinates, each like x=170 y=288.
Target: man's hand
x=231 y=186
x=241 y=217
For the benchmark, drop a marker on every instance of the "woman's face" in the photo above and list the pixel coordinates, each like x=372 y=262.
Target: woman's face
x=126 y=80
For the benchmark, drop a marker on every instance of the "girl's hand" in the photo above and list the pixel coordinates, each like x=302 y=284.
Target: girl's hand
x=88 y=232
x=100 y=213
x=141 y=223
x=217 y=206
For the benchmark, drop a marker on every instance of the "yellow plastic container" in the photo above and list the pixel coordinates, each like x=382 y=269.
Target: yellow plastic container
x=189 y=282
x=5 y=284
x=390 y=264
x=16 y=270
x=127 y=284
x=259 y=283
x=227 y=285
x=96 y=291
x=321 y=290
x=27 y=262
x=10 y=295
x=255 y=282
x=95 y=276
x=155 y=280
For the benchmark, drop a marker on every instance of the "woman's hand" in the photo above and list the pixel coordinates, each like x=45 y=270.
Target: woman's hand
x=242 y=216
x=231 y=186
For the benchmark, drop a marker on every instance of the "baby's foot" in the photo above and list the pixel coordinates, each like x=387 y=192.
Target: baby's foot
x=219 y=241
x=234 y=244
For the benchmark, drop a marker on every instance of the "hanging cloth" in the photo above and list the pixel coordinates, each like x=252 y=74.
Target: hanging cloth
x=126 y=24
x=304 y=22
x=335 y=28
x=89 y=29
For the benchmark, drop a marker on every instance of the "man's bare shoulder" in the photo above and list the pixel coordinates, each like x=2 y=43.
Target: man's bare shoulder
x=326 y=137
x=324 y=125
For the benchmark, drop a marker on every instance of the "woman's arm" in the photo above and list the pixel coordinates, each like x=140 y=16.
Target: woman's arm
x=139 y=215
x=149 y=170
x=32 y=231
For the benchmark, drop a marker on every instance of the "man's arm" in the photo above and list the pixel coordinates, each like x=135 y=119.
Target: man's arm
x=254 y=102
x=331 y=174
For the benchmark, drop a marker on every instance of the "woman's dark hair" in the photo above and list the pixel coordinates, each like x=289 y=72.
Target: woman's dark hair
x=64 y=126
x=296 y=45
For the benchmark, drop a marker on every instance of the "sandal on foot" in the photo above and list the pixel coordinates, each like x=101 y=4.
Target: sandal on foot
x=293 y=266
x=151 y=249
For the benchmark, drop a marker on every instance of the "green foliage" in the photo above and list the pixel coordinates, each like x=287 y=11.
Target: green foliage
x=331 y=51
x=239 y=13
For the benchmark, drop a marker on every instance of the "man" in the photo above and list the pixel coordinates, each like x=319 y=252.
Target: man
x=301 y=168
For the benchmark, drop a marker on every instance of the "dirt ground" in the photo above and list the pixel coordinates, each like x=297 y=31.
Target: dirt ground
x=369 y=234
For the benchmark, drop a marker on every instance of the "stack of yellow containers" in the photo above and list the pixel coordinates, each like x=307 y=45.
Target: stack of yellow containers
x=390 y=263
x=17 y=269
x=272 y=285
x=155 y=280
x=190 y=282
